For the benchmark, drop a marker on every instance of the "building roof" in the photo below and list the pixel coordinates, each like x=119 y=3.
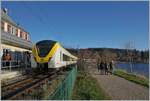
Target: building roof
x=10 y=39
x=7 y=18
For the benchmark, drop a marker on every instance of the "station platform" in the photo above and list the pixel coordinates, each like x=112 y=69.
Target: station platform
x=6 y=74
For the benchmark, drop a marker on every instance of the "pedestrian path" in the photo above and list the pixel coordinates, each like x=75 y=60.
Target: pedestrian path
x=120 y=89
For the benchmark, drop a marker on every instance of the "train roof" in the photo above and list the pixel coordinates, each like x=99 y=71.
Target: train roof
x=52 y=42
x=47 y=41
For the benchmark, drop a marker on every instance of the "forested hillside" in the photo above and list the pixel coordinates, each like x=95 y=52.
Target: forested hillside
x=106 y=54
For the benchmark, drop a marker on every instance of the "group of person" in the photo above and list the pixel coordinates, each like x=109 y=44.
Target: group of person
x=105 y=67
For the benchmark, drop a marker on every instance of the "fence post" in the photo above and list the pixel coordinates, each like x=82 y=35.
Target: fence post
x=9 y=65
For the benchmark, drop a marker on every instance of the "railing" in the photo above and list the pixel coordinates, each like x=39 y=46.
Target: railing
x=64 y=90
x=10 y=64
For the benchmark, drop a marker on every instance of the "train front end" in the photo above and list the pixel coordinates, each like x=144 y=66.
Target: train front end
x=42 y=53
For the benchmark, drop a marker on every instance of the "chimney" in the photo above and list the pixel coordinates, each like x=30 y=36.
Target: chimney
x=5 y=10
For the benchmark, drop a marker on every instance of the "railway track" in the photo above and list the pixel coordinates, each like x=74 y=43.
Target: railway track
x=14 y=90
x=12 y=81
x=15 y=86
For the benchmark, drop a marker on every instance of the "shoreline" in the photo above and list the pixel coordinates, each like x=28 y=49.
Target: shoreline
x=132 y=62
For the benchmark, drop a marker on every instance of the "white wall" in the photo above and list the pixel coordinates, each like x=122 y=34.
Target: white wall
x=5 y=26
x=18 y=32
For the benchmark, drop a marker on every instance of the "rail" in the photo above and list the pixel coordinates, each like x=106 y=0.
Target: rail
x=64 y=90
x=25 y=86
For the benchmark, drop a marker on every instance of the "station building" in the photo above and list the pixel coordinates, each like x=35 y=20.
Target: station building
x=15 y=43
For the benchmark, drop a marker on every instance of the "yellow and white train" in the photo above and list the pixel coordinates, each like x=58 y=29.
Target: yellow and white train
x=50 y=54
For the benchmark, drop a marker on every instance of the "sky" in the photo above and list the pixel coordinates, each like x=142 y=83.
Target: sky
x=84 y=24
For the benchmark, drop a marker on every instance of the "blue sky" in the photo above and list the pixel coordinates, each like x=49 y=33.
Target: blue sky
x=84 y=24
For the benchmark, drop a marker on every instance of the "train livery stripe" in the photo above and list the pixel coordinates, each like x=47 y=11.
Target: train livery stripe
x=52 y=52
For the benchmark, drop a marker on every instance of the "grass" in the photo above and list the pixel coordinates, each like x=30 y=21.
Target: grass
x=87 y=88
x=131 y=77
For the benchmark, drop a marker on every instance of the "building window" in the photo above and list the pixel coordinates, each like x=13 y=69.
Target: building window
x=26 y=36
x=12 y=30
x=16 y=32
x=2 y=25
x=9 y=28
x=6 y=54
x=21 y=34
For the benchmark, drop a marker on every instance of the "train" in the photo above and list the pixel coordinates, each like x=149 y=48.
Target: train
x=51 y=54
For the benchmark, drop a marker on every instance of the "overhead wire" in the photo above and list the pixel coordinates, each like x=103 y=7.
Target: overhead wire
x=37 y=16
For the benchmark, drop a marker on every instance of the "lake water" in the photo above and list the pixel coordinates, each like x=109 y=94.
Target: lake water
x=138 y=68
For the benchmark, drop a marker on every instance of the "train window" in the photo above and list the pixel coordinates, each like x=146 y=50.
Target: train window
x=44 y=47
x=66 y=58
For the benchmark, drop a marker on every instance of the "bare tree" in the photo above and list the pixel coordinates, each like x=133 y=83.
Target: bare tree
x=108 y=55
x=129 y=46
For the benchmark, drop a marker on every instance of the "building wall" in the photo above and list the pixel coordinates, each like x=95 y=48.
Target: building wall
x=18 y=55
x=13 y=48
x=5 y=26
x=10 y=30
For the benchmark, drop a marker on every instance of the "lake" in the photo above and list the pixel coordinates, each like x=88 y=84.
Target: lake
x=138 y=68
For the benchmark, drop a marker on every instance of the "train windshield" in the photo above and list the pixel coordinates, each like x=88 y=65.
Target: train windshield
x=44 y=47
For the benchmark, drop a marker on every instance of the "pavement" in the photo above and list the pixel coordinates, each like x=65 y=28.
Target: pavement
x=119 y=88
x=9 y=74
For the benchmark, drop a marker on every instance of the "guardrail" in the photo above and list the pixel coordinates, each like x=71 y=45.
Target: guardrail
x=64 y=90
x=14 y=40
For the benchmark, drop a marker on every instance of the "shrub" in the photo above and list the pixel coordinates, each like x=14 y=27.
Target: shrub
x=87 y=88
x=131 y=77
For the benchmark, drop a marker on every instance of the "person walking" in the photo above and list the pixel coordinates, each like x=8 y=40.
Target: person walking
x=111 y=67
x=106 y=69
x=98 y=66
x=102 y=67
